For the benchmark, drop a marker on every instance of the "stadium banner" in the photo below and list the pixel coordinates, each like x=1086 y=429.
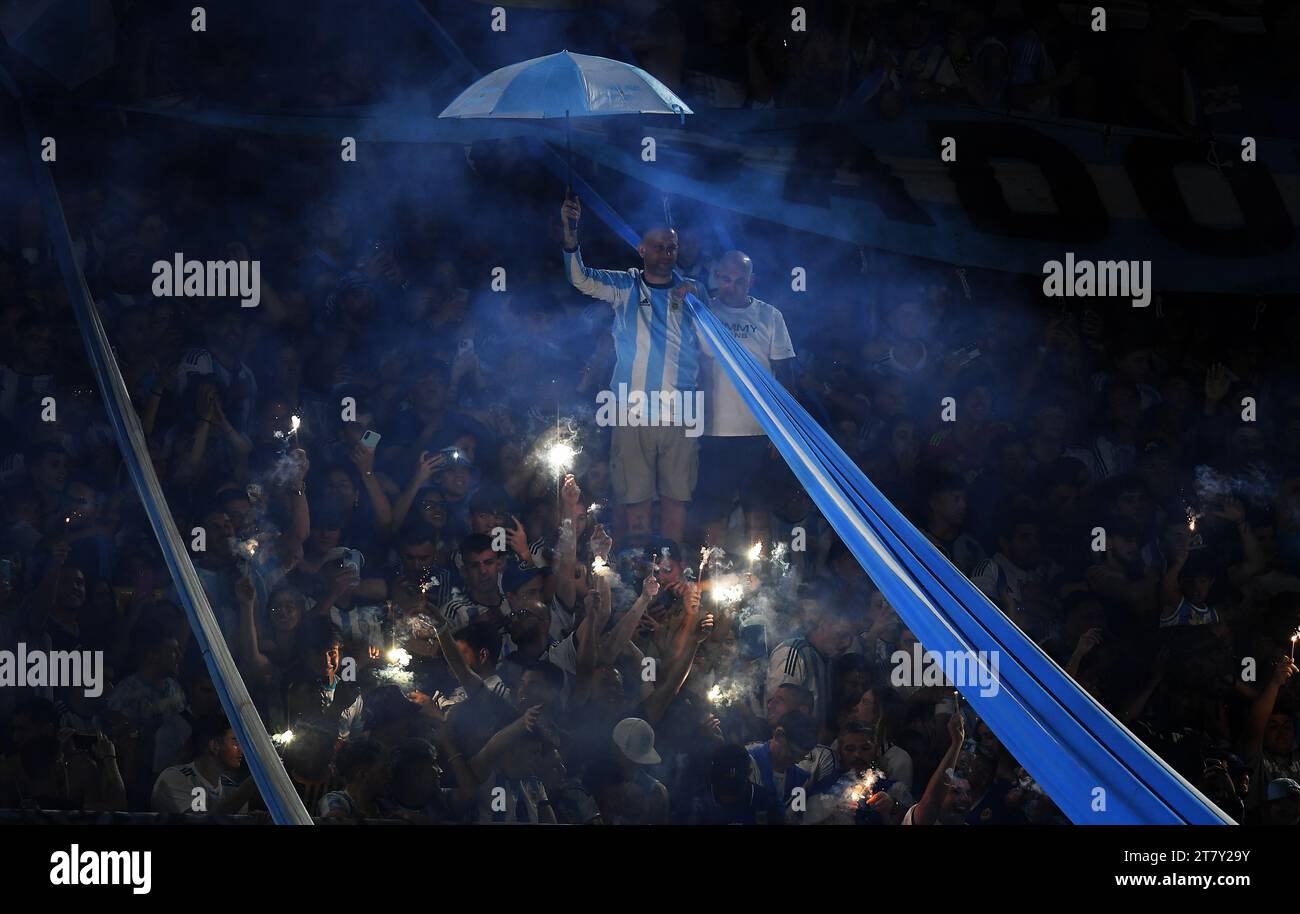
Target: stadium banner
x=1022 y=191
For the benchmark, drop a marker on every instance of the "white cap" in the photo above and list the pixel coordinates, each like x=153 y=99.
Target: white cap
x=636 y=739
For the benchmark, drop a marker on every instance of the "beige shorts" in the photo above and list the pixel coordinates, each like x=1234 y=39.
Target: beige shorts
x=640 y=456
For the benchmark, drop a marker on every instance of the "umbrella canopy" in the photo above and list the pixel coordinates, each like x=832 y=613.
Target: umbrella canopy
x=564 y=84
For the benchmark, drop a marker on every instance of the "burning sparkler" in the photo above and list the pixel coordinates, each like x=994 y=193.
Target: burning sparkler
x=1294 y=635
x=728 y=590
x=559 y=457
x=863 y=787
x=398 y=656
x=599 y=566
x=282 y=739
x=396 y=671
x=708 y=555
x=724 y=694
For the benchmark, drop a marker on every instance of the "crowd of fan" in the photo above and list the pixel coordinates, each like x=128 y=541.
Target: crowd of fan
x=363 y=471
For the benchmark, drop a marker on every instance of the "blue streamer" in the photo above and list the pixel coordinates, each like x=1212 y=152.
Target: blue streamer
x=273 y=782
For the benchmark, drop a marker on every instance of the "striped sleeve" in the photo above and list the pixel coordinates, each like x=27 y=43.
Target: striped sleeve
x=536 y=555
x=985 y=576
x=496 y=685
x=459 y=611
x=602 y=284
x=787 y=665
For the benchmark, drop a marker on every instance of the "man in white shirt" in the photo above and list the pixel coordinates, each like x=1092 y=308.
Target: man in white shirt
x=207 y=784
x=734 y=453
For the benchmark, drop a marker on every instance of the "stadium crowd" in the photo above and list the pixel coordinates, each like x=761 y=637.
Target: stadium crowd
x=458 y=595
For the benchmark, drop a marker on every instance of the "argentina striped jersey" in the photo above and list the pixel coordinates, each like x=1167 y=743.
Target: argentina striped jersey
x=655 y=345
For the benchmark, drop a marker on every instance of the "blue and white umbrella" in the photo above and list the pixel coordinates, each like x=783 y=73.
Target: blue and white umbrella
x=566 y=85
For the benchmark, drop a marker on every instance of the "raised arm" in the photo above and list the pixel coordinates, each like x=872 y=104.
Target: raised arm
x=927 y=810
x=1252 y=740
x=1170 y=593
x=485 y=761
x=363 y=458
x=619 y=637
x=251 y=658
x=425 y=468
x=691 y=632
x=469 y=680
x=600 y=600
x=602 y=284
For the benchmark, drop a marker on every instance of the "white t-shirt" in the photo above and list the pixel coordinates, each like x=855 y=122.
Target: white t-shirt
x=760 y=328
x=173 y=792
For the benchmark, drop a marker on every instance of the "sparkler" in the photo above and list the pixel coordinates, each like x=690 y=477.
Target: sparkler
x=282 y=739
x=599 y=566
x=862 y=788
x=1294 y=636
x=398 y=656
x=728 y=590
x=559 y=457
x=708 y=554
x=724 y=694
x=396 y=671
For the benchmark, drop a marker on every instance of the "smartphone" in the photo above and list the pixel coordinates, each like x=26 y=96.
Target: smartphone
x=83 y=741
x=371 y=439
x=353 y=559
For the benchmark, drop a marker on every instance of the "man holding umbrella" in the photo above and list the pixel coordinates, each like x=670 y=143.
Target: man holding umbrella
x=657 y=362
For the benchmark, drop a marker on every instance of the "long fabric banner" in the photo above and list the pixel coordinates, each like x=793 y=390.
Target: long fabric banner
x=273 y=782
x=1089 y=763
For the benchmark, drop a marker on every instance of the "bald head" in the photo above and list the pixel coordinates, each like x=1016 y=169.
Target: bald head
x=733 y=273
x=658 y=250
